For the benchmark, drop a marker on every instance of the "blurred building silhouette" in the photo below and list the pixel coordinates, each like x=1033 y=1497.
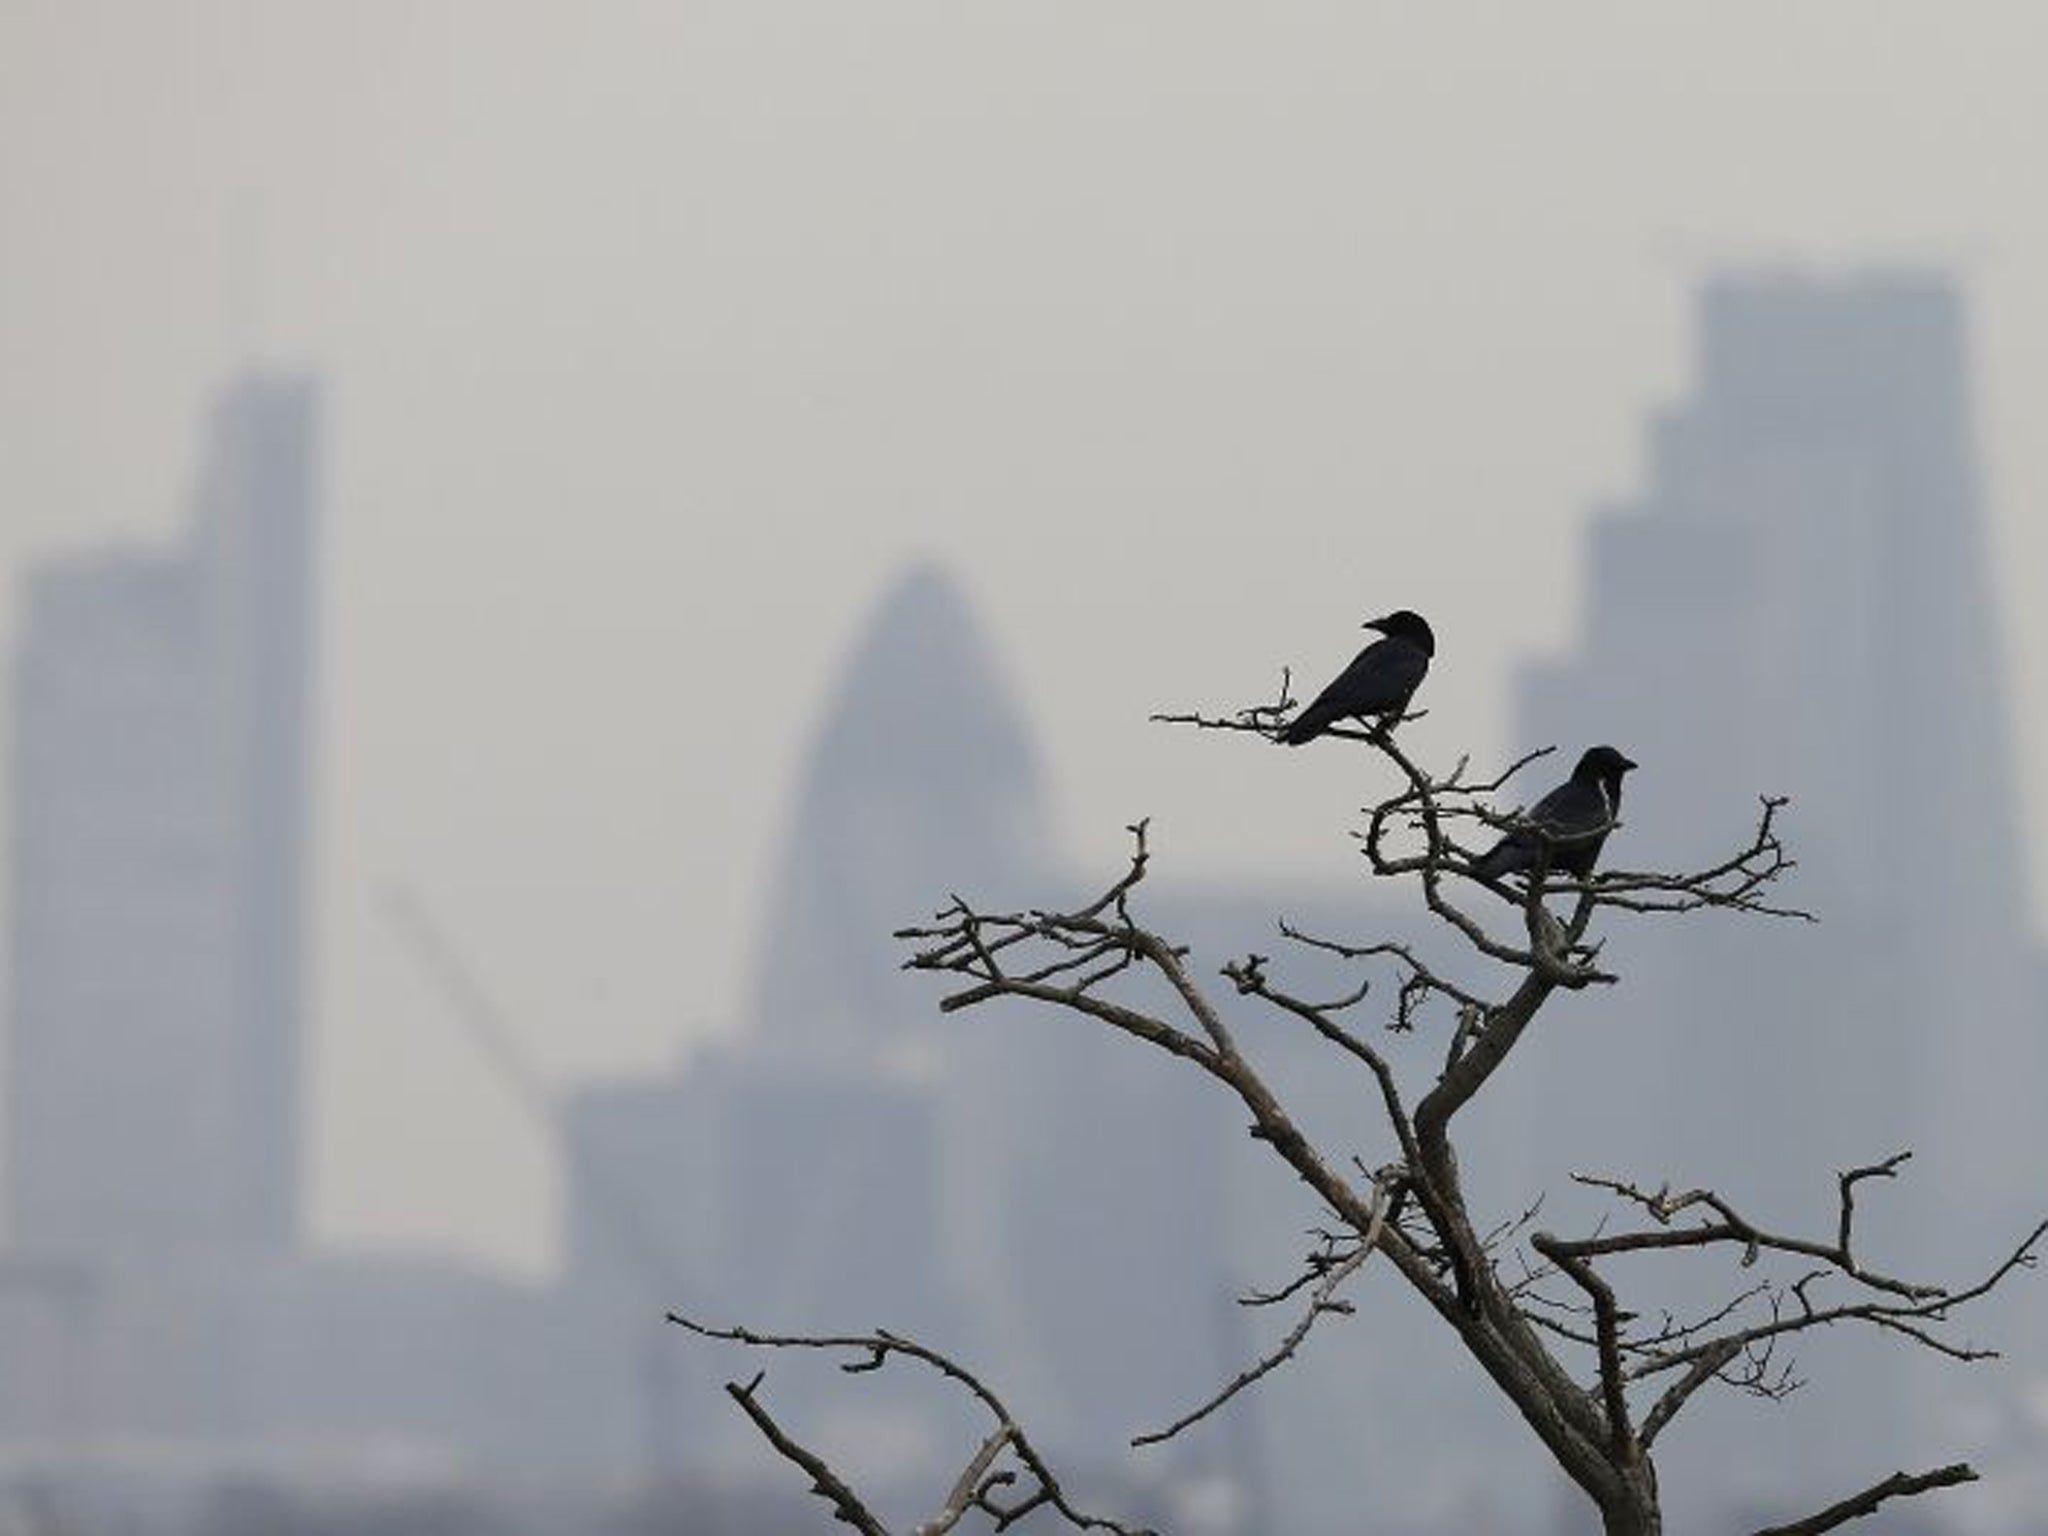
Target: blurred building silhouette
x=1801 y=602
x=159 y=834
x=921 y=763
x=923 y=781
x=158 y=839
x=156 y=1311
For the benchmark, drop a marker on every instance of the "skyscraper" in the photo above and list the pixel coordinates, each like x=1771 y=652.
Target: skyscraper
x=159 y=826
x=1801 y=602
x=922 y=777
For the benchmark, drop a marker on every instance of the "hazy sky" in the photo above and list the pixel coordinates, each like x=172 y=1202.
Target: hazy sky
x=659 y=335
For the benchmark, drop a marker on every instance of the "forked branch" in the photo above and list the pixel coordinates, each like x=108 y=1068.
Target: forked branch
x=1741 y=1354
x=1006 y=1479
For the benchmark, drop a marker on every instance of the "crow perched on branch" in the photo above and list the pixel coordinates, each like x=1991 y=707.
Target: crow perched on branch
x=1575 y=818
x=1380 y=681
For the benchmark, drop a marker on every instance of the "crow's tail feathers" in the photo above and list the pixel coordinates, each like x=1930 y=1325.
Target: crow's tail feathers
x=1503 y=858
x=1304 y=727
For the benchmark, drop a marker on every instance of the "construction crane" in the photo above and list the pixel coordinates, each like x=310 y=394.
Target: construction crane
x=663 y=1402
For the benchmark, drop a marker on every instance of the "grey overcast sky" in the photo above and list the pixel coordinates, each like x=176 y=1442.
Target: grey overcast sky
x=658 y=336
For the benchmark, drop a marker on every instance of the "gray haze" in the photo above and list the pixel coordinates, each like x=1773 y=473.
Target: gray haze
x=711 y=398
x=657 y=337
x=1060 y=1208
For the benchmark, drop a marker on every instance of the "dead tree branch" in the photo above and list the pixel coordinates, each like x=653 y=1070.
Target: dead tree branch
x=827 y=1484
x=1898 y=1486
x=1320 y=1301
x=982 y=1484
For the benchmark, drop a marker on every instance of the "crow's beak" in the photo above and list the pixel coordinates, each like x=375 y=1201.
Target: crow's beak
x=1627 y=763
x=1378 y=624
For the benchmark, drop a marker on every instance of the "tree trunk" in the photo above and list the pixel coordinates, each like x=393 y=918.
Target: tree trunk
x=1634 y=1512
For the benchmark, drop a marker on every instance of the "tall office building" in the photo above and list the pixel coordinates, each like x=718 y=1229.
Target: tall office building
x=1802 y=599
x=921 y=778
x=160 y=827
x=1801 y=602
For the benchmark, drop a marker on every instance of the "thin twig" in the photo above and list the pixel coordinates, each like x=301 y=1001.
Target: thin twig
x=1319 y=1303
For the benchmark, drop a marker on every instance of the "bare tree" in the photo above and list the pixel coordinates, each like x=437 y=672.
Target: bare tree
x=1598 y=1381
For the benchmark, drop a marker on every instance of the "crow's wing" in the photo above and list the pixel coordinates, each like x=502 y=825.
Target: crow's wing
x=1381 y=677
x=1384 y=677
x=1380 y=681
x=1572 y=810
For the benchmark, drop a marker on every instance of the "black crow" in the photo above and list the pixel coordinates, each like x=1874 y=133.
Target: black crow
x=1381 y=679
x=1577 y=816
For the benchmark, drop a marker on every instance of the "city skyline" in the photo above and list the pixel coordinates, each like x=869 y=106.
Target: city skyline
x=845 y=1150
x=476 y=1076
x=1186 y=339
